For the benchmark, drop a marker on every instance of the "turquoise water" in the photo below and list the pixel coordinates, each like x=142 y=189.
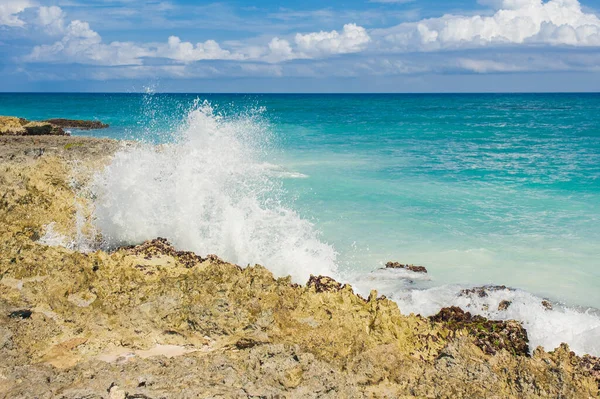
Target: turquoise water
x=481 y=189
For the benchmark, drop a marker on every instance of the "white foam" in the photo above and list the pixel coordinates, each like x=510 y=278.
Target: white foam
x=209 y=192
x=547 y=328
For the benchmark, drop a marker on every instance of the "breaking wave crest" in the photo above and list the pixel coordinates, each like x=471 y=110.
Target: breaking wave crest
x=210 y=192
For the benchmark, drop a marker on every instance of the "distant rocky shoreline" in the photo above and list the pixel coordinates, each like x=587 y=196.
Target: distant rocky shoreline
x=15 y=126
x=150 y=321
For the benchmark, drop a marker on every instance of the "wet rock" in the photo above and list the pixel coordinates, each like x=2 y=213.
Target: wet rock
x=490 y=335
x=547 y=304
x=483 y=291
x=504 y=305
x=77 y=124
x=412 y=268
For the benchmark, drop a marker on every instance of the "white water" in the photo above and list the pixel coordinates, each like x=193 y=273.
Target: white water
x=210 y=192
x=213 y=192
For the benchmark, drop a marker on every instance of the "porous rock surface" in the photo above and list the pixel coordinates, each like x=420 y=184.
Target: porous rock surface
x=153 y=322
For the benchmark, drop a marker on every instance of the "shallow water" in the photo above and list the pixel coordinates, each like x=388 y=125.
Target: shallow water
x=481 y=189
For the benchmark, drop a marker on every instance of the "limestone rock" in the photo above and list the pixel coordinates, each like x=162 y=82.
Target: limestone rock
x=77 y=124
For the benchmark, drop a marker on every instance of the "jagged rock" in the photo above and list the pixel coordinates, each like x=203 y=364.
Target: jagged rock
x=504 y=305
x=161 y=247
x=490 y=335
x=412 y=268
x=324 y=284
x=77 y=124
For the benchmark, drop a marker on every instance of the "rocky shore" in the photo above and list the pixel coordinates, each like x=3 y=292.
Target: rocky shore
x=150 y=321
x=15 y=126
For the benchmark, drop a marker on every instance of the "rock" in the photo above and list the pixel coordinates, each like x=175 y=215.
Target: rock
x=10 y=125
x=412 y=268
x=323 y=284
x=482 y=292
x=161 y=247
x=77 y=124
x=504 y=305
x=491 y=336
x=43 y=129
x=547 y=304
x=114 y=392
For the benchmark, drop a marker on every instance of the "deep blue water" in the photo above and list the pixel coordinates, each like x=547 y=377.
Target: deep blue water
x=501 y=189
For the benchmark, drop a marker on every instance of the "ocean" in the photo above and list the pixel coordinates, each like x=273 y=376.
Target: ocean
x=481 y=189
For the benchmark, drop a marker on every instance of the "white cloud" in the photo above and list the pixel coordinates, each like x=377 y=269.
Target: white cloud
x=10 y=10
x=51 y=19
x=352 y=39
x=80 y=44
x=555 y=22
x=186 y=52
x=280 y=50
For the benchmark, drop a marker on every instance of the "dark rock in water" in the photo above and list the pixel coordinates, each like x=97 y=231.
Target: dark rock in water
x=504 y=305
x=77 y=124
x=20 y=314
x=323 y=284
x=490 y=335
x=547 y=304
x=482 y=292
x=412 y=268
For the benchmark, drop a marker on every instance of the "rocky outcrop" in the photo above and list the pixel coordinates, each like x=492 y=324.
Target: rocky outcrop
x=77 y=124
x=490 y=335
x=150 y=321
x=10 y=125
x=21 y=127
x=412 y=268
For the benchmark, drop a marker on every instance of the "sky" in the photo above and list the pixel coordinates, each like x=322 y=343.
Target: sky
x=307 y=46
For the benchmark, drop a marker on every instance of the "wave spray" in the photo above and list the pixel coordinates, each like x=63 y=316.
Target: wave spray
x=210 y=192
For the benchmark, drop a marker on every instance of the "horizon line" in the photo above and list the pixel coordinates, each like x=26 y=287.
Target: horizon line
x=299 y=93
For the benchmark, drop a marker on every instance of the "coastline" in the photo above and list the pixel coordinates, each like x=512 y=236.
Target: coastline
x=152 y=321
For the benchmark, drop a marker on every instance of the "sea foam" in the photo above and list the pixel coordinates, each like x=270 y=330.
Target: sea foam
x=210 y=192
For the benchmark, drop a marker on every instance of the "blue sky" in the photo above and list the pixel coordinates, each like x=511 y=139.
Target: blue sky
x=309 y=46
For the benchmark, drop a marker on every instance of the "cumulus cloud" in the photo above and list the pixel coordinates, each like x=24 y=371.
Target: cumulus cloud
x=555 y=22
x=187 y=52
x=10 y=10
x=51 y=19
x=80 y=44
x=352 y=39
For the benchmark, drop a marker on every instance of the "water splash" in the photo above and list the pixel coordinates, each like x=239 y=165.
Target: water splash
x=210 y=192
